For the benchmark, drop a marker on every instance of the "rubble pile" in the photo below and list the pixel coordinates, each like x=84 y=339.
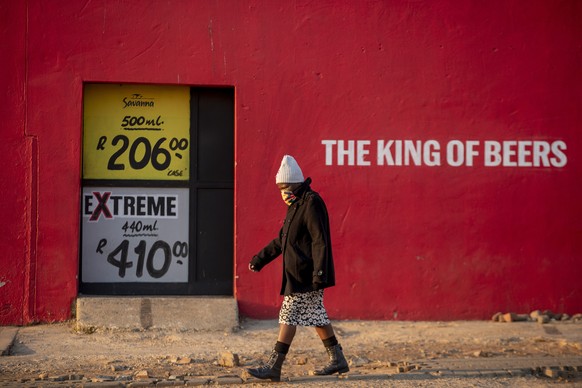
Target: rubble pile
x=538 y=316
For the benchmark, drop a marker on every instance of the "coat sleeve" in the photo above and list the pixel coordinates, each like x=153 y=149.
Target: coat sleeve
x=318 y=226
x=267 y=254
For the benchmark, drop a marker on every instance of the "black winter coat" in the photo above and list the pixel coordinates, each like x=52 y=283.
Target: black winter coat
x=305 y=242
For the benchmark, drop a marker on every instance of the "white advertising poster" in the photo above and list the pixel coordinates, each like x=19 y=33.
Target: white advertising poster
x=134 y=234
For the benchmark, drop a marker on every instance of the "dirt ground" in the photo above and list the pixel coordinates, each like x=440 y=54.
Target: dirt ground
x=371 y=347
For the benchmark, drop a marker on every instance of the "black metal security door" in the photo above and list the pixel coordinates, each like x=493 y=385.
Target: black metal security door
x=211 y=191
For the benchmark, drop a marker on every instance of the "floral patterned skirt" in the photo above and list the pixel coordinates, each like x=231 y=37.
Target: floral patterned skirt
x=304 y=309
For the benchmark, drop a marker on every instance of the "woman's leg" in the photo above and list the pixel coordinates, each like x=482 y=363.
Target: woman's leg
x=272 y=369
x=286 y=333
x=337 y=360
x=324 y=332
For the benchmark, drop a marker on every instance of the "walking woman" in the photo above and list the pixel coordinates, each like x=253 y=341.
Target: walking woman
x=305 y=243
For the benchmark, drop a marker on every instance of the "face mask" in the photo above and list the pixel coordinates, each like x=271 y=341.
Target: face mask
x=288 y=197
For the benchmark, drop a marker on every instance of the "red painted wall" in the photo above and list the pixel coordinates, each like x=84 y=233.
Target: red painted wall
x=16 y=159
x=411 y=242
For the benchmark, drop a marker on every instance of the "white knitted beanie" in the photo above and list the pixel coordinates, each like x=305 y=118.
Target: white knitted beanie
x=289 y=172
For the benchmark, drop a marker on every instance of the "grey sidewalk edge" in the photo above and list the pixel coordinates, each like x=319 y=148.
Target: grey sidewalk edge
x=7 y=336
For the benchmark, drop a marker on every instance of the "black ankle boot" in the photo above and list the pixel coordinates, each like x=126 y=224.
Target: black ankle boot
x=271 y=370
x=337 y=362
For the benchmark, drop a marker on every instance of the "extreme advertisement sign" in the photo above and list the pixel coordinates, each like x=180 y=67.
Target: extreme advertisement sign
x=135 y=235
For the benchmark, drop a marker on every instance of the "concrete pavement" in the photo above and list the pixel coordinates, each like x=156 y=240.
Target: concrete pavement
x=7 y=335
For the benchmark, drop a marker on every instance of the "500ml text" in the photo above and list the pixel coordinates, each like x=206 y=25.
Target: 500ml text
x=129 y=122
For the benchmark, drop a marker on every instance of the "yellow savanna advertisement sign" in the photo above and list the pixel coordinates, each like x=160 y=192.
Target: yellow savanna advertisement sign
x=136 y=132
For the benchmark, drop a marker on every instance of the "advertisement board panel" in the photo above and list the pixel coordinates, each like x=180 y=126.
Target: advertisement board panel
x=136 y=132
x=134 y=235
